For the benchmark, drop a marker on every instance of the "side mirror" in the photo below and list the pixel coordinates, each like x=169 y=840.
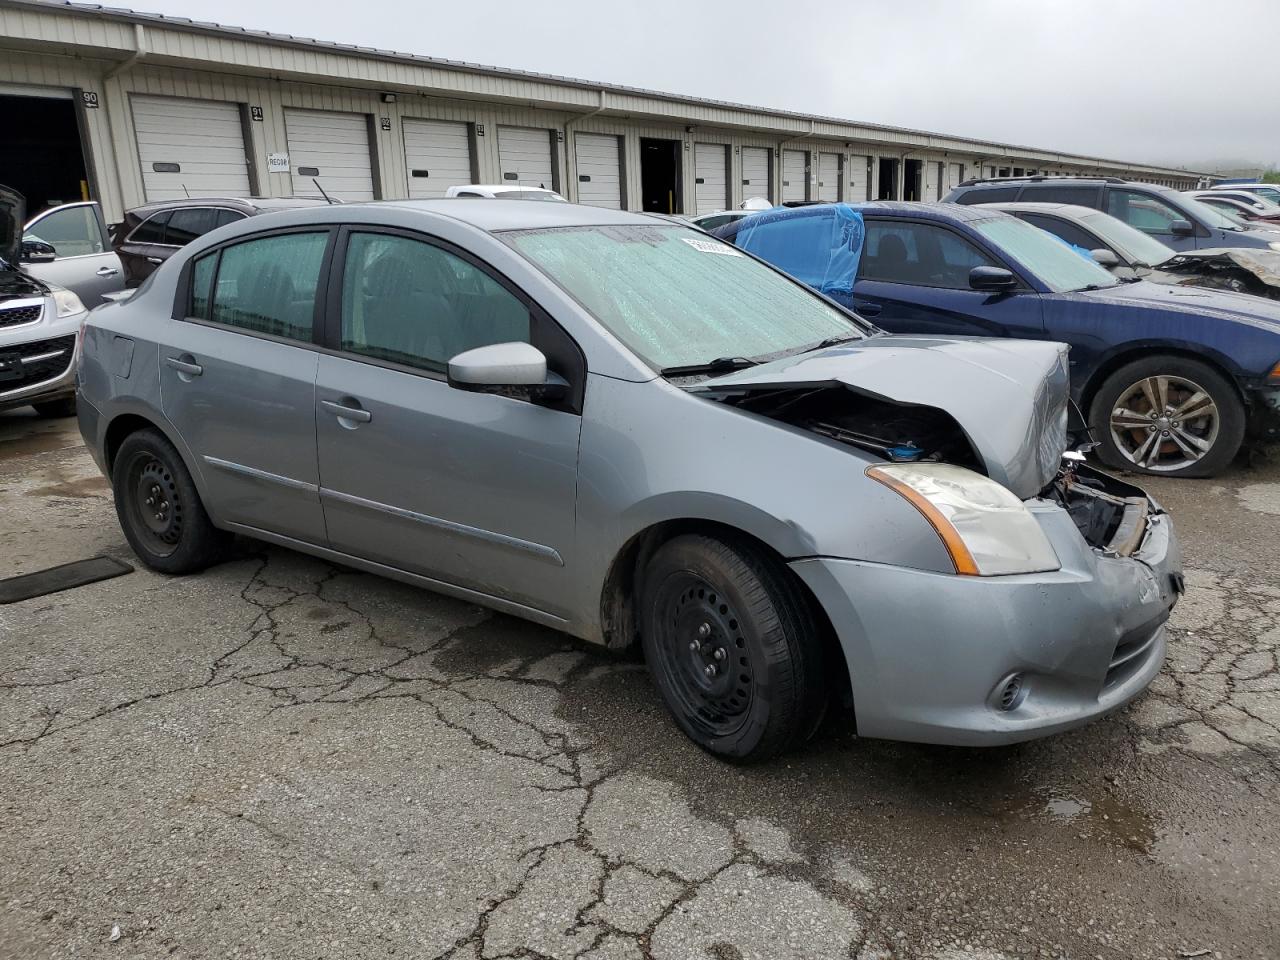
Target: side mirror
x=1105 y=258
x=1181 y=228
x=506 y=368
x=37 y=251
x=995 y=279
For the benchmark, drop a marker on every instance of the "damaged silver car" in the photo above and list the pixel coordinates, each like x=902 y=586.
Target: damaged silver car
x=637 y=434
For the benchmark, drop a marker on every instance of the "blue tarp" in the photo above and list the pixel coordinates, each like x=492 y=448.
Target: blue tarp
x=818 y=245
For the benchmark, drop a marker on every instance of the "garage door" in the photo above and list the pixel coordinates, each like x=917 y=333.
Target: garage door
x=793 y=175
x=599 y=172
x=711 y=183
x=755 y=173
x=859 y=180
x=332 y=148
x=437 y=156
x=525 y=156
x=829 y=176
x=190 y=148
x=955 y=174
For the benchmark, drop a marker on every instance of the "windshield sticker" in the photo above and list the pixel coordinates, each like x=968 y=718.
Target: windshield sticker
x=711 y=246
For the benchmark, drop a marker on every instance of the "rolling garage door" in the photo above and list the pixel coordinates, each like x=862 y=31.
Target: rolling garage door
x=599 y=174
x=332 y=148
x=190 y=148
x=829 y=176
x=525 y=156
x=711 y=183
x=859 y=180
x=755 y=173
x=793 y=174
x=437 y=156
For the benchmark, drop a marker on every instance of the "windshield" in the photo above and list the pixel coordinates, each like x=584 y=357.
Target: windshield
x=677 y=297
x=530 y=195
x=1054 y=263
x=1134 y=245
x=1212 y=217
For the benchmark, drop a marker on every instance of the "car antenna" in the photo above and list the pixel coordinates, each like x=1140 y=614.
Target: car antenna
x=186 y=191
x=322 y=193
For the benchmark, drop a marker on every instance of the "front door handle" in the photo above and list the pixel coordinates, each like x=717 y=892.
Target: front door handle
x=155 y=260
x=185 y=365
x=107 y=271
x=344 y=411
x=867 y=308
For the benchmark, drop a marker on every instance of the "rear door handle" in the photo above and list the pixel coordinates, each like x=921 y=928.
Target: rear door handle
x=154 y=260
x=185 y=364
x=107 y=271
x=344 y=411
x=867 y=308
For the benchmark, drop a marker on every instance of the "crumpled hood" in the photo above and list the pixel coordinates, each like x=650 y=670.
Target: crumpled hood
x=1009 y=396
x=1263 y=264
x=1256 y=311
x=13 y=214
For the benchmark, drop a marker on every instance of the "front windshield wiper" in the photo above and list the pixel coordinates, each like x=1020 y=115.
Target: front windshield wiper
x=831 y=342
x=718 y=365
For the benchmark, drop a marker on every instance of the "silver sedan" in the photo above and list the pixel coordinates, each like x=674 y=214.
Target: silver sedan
x=635 y=433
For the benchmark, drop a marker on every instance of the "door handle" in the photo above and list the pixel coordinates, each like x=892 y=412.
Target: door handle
x=185 y=364
x=107 y=271
x=867 y=308
x=155 y=260
x=345 y=412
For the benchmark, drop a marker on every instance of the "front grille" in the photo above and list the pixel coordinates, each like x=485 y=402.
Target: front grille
x=12 y=316
x=35 y=362
x=1131 y=654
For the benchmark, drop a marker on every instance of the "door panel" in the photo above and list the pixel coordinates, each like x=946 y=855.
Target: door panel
x=906 y=308
x=248 y=389
x=85 y=262
x=474 y=489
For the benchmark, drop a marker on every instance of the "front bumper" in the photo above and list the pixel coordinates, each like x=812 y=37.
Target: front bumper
x=928 y=653
x=1264 y=415
x=44 y=355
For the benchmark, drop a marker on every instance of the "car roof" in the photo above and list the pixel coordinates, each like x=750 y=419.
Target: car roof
x=954 y=212
x=498 y=214
x=1071 y=210
x=500 y=186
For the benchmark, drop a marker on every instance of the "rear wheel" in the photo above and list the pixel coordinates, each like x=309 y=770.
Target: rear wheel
x=66 y=407
x=159 y=508
x=732 y=644
x=1170 y=416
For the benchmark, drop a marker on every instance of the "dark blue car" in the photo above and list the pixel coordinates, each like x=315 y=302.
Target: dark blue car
x=1172 y=379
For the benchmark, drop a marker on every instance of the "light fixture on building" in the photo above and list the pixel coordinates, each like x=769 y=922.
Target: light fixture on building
x=388 y=98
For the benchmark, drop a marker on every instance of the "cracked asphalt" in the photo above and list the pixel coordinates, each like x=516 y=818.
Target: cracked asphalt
x=283 y=758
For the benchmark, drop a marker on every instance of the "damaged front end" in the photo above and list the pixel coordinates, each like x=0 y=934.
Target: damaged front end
x=1241 y=271
x=1111 y=515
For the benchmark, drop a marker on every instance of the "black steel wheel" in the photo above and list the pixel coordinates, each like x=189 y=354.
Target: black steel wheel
x=732 y=646
x=1170 y=416
x=159 y=508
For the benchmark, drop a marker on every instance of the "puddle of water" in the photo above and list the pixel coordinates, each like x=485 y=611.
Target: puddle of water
x=96 y=486
x=1103 y=818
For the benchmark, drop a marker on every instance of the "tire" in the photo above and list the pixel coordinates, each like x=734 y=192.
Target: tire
x=159 y=508
x=66 y=407
x=706 y=603
x=1162 y=445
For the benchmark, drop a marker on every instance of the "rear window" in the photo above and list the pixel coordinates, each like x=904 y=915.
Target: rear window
x=188 y=223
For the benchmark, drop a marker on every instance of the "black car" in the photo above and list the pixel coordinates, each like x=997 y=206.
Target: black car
x=1171 y=217
x=150 y=234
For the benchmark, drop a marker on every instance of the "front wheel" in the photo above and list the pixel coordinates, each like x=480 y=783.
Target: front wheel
x=159 y=507
x=733 y=647
x=1168 y=416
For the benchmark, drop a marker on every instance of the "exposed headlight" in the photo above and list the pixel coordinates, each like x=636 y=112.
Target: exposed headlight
x=986 y=529
x=1274 y=244
x=66 y=302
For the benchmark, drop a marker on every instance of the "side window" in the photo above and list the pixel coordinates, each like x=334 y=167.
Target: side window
x=187 y=223
x=202 y=285
x=73 y=231
x=1143 y=211
x=413 y=303
x=920 y=254
x=1065 y=231
x=1084 y=195
x=989 y=195
x=150 y=230
x=269 y=285
x=223 y=217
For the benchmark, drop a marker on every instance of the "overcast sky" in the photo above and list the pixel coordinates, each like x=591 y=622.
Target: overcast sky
x=1142 y=80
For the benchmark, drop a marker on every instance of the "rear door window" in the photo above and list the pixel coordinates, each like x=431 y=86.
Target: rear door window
x=1081 y=194
x=150 y=230
x=266 y=285
x=188 y=223
x=990 y=194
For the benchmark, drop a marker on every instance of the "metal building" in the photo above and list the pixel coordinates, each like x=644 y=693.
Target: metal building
x=128 y=107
